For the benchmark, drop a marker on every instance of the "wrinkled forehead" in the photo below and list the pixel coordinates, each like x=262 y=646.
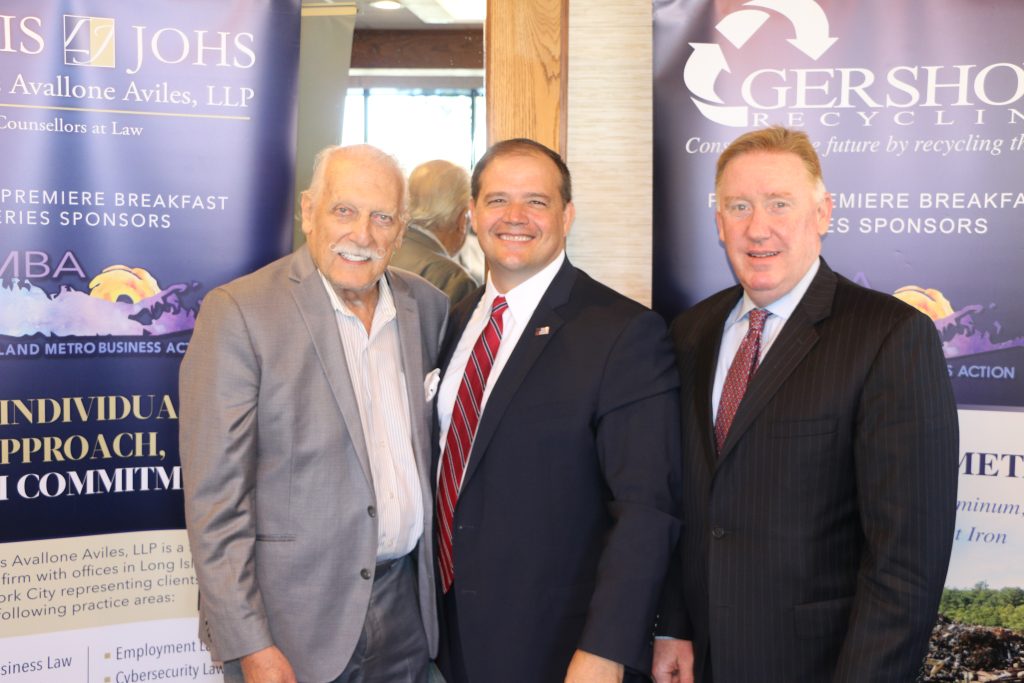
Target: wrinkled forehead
x=515 y=166
x=355 y=174
x=768 y=173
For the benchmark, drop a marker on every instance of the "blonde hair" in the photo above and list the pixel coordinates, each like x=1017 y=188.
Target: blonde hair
x=775 y=139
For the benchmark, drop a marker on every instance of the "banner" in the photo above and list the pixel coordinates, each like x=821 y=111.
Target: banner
x=147 y=155
x=921 y=140
x=917 y=113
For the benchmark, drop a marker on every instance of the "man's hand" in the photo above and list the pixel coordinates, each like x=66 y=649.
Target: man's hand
x=673 y=661
x=588 y=668
x=268 y=665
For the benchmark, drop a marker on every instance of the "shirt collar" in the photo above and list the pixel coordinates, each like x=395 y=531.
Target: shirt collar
x=784 y=306
x=524 y=297
x=384 y=312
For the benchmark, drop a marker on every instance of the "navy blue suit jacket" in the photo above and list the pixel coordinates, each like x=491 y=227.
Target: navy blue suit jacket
x=568 y=514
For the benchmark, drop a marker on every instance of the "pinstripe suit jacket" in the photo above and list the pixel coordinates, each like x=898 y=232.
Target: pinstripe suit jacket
x=815 y=546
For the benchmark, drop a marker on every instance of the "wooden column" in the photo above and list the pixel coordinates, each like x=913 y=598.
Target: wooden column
x=525 y=56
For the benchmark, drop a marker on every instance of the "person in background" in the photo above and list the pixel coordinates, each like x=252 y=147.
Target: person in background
x=471 y=256
x=820 y=446
x=438 y=202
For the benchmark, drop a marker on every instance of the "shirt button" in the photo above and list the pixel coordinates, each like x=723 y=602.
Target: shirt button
x=372 y=511
x=718 y=532
x=365 y=573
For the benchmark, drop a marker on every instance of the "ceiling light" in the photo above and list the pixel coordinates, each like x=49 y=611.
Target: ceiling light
x=386 y=4
x=465 y=10
x=448 y=11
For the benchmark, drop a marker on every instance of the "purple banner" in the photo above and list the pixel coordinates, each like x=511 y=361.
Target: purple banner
x=147 y=156
x=917 y=110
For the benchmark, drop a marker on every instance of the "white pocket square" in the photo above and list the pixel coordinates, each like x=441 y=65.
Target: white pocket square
x=431 y=382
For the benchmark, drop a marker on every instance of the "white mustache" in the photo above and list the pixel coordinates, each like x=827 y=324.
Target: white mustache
x=354 y=252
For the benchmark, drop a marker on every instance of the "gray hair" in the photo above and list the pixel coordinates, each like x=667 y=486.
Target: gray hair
x=366 y=154
x=438 y=194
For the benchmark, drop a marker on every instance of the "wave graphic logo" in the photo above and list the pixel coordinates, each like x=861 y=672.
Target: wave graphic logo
x=122 y=301
x=707 y=62
x=962 y=331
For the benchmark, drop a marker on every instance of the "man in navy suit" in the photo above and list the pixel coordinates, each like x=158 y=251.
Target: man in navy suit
x=561 y=522
x=820 y=452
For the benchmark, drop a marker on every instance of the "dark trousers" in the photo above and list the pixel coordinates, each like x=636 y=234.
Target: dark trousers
x=393 y=646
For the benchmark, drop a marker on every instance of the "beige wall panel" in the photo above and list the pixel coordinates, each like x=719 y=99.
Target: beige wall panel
x=609 y=142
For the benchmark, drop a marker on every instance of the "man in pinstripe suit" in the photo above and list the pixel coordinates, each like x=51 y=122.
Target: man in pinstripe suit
x=820 y=473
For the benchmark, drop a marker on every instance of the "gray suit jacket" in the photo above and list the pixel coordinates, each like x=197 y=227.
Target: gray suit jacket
x=422 y=254
x=278 y=492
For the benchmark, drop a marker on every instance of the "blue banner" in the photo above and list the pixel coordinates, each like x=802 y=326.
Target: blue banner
x=147 y=155
x=921 y=140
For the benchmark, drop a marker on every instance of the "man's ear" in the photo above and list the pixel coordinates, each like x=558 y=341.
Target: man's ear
x=307 y=212
x=824 y=213
x=568 y=216
x=401 y=235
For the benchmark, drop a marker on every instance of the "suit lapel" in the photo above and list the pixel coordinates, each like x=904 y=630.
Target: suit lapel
x=705 y=363
x=457 y=326
x=527 y=351
x=460 y=316
x=412 y=364
x=797 y=338
x=315 y=308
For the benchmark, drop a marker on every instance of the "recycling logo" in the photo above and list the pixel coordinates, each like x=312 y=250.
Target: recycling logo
x=708 y=61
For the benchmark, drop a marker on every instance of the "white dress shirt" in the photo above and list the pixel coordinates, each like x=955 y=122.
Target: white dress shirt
x=737 y=322
x=375 y=365
x=522 y=302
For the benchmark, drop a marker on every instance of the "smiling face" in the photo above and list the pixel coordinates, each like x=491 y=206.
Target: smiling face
x=519 y=216
x=771 y=216
x=353 y=222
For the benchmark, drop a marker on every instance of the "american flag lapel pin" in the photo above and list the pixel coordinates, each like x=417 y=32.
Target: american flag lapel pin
x=541 y=331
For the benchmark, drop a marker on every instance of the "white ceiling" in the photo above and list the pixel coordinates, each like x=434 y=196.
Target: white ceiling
x=403 y=19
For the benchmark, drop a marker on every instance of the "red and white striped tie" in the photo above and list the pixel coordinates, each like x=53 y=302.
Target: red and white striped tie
x=744 y=364
x=461 y=431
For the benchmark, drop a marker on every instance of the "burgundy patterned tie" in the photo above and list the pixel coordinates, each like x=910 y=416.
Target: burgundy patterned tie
x=743 y=367
x=461 y=431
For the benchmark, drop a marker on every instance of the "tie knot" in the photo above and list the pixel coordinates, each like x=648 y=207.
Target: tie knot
x=499 y=304
x=757 y=318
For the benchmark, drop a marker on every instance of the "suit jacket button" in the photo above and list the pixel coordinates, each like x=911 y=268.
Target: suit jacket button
x=718 y=532
x=372 y=511
x=365 y=573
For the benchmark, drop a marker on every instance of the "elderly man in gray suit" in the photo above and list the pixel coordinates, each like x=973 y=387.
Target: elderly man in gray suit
x=305 y=446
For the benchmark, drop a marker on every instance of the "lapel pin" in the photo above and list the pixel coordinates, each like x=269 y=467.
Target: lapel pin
x=541 y=331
